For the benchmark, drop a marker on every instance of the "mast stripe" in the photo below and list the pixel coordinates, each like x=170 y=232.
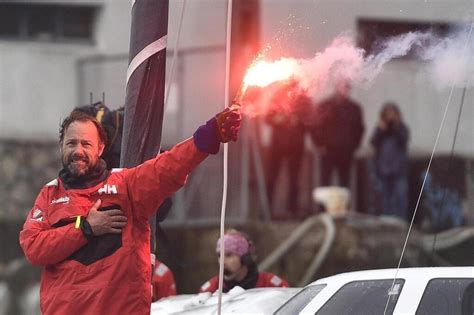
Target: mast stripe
x=146 y=53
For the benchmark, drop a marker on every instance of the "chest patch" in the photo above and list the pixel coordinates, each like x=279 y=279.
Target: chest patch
x=108 y=190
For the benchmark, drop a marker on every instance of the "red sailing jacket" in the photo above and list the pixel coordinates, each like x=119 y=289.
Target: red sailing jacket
x=109 y=274
x=163 y=281
x=265 y=279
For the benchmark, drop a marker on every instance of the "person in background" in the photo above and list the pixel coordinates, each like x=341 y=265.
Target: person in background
x=88 y=228
x=240 y=268
x=163 y=281
x=287 y=119
x=390 y=139
x=337 y=132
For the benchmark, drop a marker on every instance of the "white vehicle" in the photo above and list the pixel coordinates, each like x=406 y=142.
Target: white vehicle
x=416 y=291
x=237 y=301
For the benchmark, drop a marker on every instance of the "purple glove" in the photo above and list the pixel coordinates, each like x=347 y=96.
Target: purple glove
x=223 y=127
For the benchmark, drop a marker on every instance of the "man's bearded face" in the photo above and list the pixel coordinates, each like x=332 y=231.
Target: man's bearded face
x=81 y=148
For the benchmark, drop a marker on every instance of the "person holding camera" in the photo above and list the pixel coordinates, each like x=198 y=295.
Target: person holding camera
x=389 y=140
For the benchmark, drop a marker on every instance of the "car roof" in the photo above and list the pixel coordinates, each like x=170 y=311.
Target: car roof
x=417 y=273
x=415 y=281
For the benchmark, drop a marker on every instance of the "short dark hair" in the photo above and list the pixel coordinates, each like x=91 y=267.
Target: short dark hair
x=77 y=115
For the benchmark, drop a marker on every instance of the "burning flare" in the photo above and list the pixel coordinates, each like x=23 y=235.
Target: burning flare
x=262 y=73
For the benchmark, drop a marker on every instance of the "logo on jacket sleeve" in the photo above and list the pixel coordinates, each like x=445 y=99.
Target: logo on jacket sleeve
x=64 y=199
x=108 y=189
x=161 y=270
x=206 y=286
x=276 y=281
x=37 y=215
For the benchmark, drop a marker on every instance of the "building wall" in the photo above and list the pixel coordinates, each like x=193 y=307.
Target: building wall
x=306 y=27
x=41 y=82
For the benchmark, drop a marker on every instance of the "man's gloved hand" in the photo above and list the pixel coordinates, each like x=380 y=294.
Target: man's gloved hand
x=223 y=127
x=228 y=123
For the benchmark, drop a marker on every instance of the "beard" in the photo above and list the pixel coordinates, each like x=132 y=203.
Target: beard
x=78 y=165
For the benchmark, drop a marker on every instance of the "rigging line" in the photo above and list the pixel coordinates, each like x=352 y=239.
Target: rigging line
x=225 y=158
x=175 y=55
x=450 y=164
x=425 y=177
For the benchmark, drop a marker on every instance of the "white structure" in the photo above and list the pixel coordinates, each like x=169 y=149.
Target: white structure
x=40 y=80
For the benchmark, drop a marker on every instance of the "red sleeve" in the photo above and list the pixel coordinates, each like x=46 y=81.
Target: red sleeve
x=210 y=286
x=44 y=244
x=163 y=282
x=151 y=182
x=267 y=279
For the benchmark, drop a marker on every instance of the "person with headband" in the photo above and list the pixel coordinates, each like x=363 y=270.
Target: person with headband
x=240 y=268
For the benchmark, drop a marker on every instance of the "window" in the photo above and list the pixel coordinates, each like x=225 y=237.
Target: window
x=448 y=296
x=371 y=32
x=364 y=298
x=300 y=300
x=50 y=23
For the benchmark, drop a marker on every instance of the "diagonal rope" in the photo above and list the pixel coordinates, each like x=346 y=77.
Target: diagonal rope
x=450 y=164
x=226 y=157
x=425 y=177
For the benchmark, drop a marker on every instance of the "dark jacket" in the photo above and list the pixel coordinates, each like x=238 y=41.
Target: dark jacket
x=337 y=126
x=391 y=150
x=288 y=122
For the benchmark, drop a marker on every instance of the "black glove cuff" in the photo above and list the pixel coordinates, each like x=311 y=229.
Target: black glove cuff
x=86 y=229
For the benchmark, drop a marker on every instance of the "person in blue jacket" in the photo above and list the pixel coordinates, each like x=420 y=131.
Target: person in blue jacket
x=390 y=139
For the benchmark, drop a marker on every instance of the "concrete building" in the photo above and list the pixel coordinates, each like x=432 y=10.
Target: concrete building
x=58 y=52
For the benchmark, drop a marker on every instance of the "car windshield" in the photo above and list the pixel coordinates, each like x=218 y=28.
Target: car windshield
x=448 y=296
x=364 y=298
x=300 y=300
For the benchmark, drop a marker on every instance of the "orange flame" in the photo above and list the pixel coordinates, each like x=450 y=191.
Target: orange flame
x=263 y=73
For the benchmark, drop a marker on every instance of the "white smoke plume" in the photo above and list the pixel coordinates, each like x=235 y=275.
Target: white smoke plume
x=449 y=61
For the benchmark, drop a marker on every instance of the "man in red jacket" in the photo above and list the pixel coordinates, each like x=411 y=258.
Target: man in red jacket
x=240 y=268
x=89 y=228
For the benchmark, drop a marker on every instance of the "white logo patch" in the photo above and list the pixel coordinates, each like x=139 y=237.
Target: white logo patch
x=108 y=189
x=275 y=280
x=37 y=215
x=205 y=286
x=64 y=199
x=161 y=270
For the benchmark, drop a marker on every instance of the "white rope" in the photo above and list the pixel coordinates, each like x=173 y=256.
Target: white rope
x=424 y=179
x=226 y=159
x=175 y=56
